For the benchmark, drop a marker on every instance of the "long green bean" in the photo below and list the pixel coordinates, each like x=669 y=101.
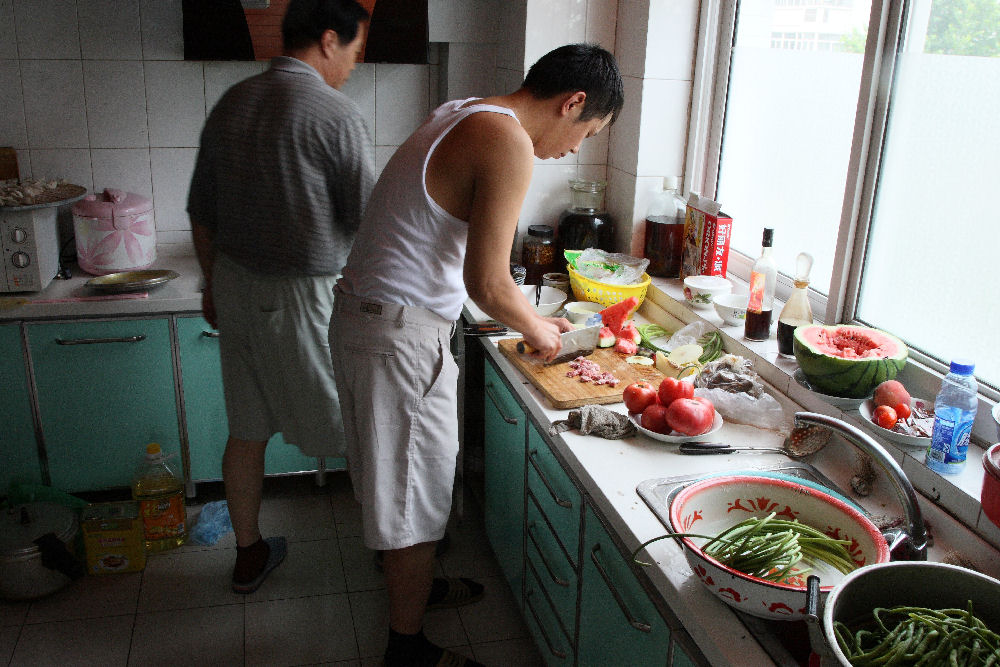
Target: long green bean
x=921 y=636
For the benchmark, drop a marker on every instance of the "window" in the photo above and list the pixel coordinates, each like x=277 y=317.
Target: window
x=876 y=154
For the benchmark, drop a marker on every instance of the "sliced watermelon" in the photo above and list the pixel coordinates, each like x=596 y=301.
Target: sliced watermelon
x=614 y=316
x=630 y=331
x=605 y=338
x=626 y=346
x=845 y=360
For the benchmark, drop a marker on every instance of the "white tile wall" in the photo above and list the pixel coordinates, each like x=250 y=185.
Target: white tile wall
x=663 y=127
x=467 y=64
x=670 y=45
x=510 y=34
x=98 y=92
x=552 y=23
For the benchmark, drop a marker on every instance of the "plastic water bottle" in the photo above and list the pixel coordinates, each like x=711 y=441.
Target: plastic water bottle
x=954 y=412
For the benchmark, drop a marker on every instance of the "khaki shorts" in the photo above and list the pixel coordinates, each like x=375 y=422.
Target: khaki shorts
x=276 y=370
x=398 y=389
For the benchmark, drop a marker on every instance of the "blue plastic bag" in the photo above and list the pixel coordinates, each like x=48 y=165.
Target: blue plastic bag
x=213 y=523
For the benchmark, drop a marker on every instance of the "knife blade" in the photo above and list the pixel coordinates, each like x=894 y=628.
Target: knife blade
x=579 y=342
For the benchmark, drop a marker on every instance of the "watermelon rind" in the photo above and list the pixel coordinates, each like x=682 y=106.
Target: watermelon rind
x=847 y=377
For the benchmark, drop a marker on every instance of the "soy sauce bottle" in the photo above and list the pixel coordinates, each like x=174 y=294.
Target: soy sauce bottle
x=797 y=311
x=763 y=280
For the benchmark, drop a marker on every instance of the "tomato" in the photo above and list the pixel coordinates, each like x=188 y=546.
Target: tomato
x=885 y=416
x=671 y=389
x=638 y=396
x=654 y=418
x=902 y=410
x=691 y=416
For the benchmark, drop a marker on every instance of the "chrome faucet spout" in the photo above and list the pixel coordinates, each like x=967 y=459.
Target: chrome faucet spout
x=916 y=541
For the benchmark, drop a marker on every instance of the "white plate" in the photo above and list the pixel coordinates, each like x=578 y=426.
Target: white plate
x=676 y=437
x=867 y=408
x=836 y=401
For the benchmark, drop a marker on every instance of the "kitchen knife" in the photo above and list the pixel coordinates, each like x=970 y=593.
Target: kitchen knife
x=579 y=342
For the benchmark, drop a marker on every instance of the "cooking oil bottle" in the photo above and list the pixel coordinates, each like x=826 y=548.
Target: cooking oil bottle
x=160 y=494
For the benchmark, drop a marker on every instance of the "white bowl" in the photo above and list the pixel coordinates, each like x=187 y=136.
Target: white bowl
x=919 y=443
x=732 y=308
x=578 y=312
x=700 y=290
x=709 y=506
x=551 y=299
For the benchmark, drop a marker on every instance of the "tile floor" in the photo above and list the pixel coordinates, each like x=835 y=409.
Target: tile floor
x=325 y=605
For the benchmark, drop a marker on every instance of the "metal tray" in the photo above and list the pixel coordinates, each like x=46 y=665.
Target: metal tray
x=131 y=281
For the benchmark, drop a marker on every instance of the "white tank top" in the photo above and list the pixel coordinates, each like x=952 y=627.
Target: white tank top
x=409 y=250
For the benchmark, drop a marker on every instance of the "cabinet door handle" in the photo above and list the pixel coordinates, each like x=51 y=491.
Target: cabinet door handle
x=94 y=341
x=541 y=628
x=545 y=561
x=562 y=502
x=496 y=404
x=210 y=334
x=635 y=623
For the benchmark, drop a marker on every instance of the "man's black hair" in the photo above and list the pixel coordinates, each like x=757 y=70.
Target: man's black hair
x=573 y=67
x=306 y=20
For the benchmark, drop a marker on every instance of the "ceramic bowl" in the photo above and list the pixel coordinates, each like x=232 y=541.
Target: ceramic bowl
x=551 y=299
x=916 y=443
x=578 y=312
x=714 y=504
x=700 y=290
x=732 y=308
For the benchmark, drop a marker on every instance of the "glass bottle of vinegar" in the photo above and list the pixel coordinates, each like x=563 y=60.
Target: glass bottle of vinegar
x=763 y=280
x=797 y=311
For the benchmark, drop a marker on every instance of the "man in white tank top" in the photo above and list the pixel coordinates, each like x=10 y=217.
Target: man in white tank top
x=439 y=228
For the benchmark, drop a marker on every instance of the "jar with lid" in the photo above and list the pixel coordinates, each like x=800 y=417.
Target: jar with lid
x=664 y=244
x=538 y=253
x=585 y=224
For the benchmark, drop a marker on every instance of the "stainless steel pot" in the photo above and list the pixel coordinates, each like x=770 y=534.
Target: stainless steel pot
x=921 y=584
x=37 y=544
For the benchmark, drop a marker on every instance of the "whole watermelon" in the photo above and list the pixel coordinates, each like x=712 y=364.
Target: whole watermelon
x=846 y=360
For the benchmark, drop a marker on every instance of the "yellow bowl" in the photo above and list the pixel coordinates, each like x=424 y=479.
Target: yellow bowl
x=606 y=294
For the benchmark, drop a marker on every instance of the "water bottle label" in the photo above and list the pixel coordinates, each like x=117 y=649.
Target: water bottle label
x=950 y=440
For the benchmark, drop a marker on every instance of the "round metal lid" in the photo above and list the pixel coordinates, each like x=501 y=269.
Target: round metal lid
x=21 y=525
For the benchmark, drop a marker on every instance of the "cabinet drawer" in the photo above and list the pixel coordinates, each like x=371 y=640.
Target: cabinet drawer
x=556 y=575
x=552 y=640
x=556 y=494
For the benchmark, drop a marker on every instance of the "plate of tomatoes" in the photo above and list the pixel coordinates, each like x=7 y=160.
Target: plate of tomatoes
x=899 y=417
x=671 y=412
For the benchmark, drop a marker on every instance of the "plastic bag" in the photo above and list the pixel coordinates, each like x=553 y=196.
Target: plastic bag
x=689 y=333
x=610 y=267
x=739 y=396
x=213 y=523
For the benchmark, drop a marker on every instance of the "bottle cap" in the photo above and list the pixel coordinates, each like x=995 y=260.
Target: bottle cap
x=768 y=237
x=541 y=230
x=962 y=366
x=153 y=448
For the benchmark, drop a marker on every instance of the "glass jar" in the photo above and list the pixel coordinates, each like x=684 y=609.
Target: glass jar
x=585 y=224
x=538 y=253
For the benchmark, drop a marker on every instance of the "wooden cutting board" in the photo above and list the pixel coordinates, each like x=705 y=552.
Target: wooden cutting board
x=568 y=392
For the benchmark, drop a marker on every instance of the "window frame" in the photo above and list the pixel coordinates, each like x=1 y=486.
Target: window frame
x=886 y=32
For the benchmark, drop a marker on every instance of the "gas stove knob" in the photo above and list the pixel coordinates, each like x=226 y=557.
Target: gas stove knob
x=20 y=260
x=18 y=235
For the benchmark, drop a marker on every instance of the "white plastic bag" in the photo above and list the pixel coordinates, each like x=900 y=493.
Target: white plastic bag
x=611 y=267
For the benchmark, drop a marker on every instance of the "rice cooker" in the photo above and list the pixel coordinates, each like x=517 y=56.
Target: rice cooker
x=115 y=231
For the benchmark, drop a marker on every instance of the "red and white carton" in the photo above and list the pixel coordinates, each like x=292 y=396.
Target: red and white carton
x=707 y=231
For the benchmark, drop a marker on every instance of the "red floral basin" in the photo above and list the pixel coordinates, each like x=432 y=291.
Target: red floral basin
x=712 y=505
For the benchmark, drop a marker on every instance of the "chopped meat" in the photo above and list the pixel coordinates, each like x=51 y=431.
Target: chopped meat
x=590 y=371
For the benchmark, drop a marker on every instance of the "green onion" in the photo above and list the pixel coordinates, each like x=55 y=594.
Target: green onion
x=650 y=332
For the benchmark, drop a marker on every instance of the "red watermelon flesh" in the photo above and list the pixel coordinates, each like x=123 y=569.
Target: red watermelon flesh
x=614 y=316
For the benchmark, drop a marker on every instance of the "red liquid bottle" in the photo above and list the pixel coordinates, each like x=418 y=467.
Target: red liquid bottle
x=763 y=280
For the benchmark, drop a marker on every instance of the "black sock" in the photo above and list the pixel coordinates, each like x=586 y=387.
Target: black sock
x=250 y=561
x=411 y=650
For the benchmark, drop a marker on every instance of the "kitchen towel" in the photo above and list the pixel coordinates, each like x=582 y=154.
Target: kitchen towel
x=596 y=420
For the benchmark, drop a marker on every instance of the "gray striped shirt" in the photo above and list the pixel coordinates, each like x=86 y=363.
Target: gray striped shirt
x=285 y=169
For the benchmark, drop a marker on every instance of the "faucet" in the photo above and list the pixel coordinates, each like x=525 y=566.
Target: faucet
x=913 y=543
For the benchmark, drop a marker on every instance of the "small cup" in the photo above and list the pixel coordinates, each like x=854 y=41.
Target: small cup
x=578 y=312
x=732 y=308
x=557 y=280
x=700 y=290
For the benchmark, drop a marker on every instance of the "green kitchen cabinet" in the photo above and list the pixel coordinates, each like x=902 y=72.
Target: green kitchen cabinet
x=205 y=409
x=619 y=624
x=105 y=390
x=503 y=470
x=18 y=447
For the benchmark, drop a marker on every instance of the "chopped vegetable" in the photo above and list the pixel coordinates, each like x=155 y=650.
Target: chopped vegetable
x=650 y=332
x=712 y=344
x=920 y=635
x=771 y=549
x=639 y=360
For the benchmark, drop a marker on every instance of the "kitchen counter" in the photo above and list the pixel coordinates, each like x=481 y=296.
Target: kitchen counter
x=610 y=470
x=62 y=298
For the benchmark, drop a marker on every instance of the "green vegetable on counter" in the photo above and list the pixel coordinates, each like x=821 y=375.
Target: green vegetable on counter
x=769 y=548
x=920 y=636
x=712 y=344
x=650 y=332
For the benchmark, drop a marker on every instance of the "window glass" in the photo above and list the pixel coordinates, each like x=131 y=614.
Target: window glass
x=930 y=271
x=793 y=91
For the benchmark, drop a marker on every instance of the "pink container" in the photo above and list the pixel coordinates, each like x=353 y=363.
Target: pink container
x=990 y=497
x=115 y=232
